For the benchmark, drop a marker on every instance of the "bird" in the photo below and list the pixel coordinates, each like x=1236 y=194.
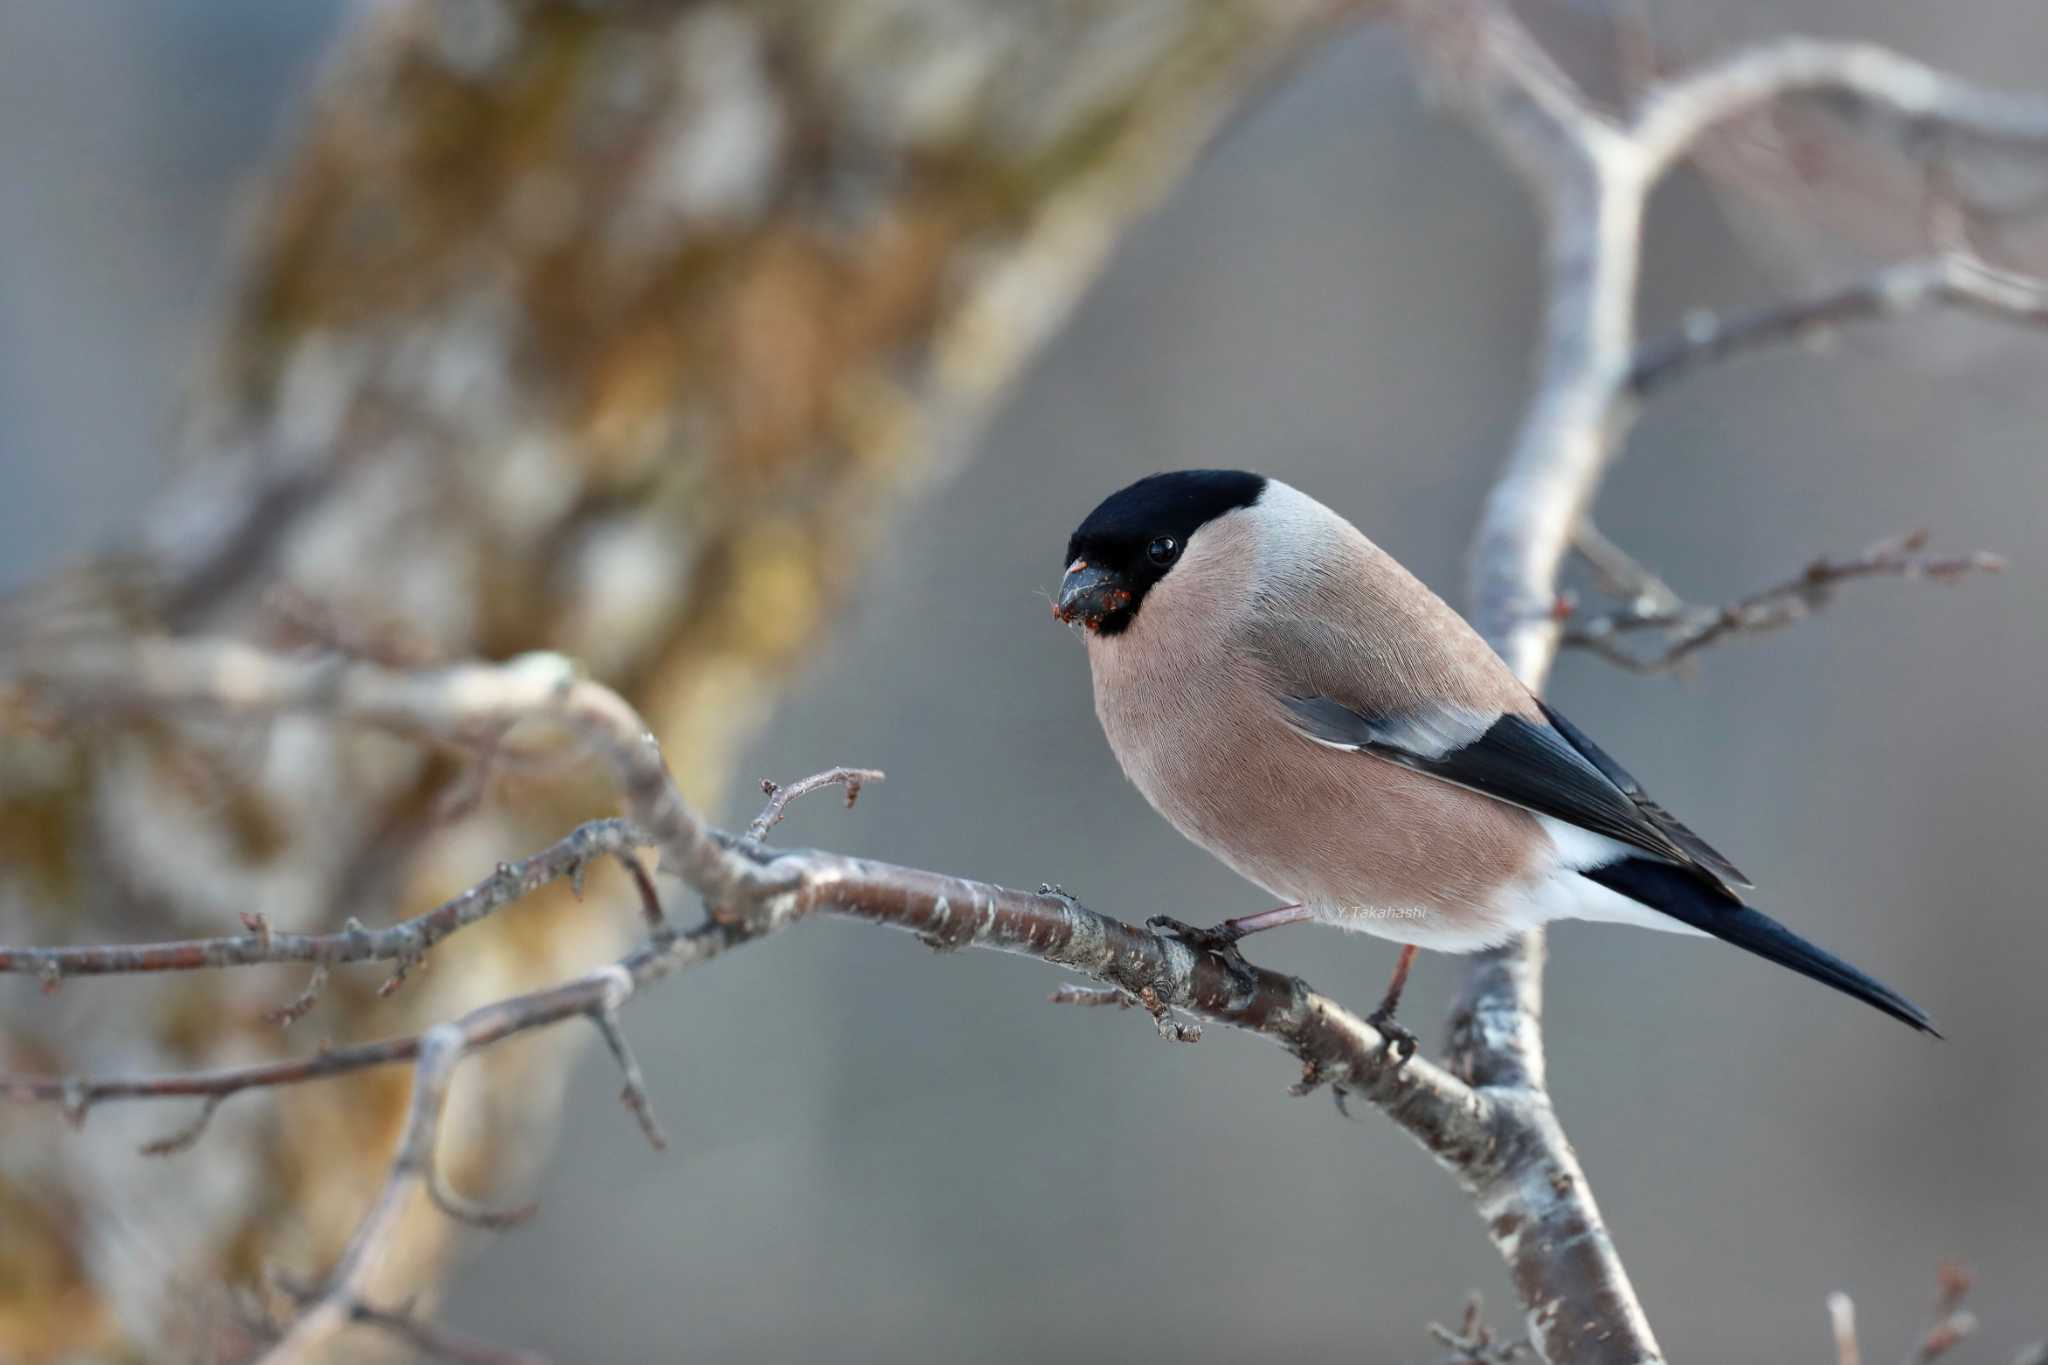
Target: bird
x=1294 y=701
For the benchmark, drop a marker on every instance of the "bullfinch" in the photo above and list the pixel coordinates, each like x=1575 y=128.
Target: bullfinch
x=1305 y=709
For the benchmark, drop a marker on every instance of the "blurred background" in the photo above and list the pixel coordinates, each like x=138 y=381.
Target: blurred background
x=883 y=1155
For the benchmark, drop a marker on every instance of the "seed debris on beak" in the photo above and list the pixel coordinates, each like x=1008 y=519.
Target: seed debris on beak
x=1089 y=593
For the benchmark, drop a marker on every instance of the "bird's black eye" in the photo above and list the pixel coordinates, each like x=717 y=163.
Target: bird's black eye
x=1163 y=551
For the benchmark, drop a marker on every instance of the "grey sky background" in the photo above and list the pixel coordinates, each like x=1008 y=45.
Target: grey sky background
x=881 y=1155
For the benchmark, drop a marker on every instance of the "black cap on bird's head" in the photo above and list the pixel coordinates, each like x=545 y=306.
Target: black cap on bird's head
x=1136 y=535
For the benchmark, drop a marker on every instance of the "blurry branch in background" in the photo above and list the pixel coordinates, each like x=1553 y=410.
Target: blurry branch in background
x=1689 y=627
x=1900 y=291
x=1619 y=574
x=1592 y=173
x=404 y=943
x=430 y=1341
x=1952 y=1324
x=1472 y=1342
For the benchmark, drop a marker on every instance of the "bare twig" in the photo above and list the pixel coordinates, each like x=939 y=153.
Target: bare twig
x=342 y=1297
x=634 y=1096
x=406 y=941
x=436 y=1053
x=650 y=899
x=285 y=1015
x=1071 y=994
x=1620 y=574
x=1950 y=1326
x=1842 y=1319
x=1952 y=1322
x=464 y=1210
x=1689 y=628
x=439 y=1343
x=1897 y=291
x=1472 y=1342
x=172 y=1143
x=780 y=797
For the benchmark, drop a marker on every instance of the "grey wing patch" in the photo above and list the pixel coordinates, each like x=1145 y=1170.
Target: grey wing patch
x=1429 y=734
x=1541 y=768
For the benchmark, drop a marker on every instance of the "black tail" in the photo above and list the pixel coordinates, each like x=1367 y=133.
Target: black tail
x=1689 y=900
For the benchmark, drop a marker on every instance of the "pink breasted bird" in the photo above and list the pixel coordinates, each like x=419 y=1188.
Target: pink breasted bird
x=1305 y=709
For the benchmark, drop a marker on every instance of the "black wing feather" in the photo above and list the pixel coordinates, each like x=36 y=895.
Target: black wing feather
x=1550 y=769
x=1699 y=851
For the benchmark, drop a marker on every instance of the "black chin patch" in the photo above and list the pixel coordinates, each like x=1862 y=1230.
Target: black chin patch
x=1115 y=623
x=1116 y=535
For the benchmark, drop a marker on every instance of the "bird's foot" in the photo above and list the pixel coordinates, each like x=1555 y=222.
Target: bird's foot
x=1400 y=1042
x=1221 y=940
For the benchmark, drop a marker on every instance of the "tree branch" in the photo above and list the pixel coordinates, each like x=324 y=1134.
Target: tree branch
x=1911 y=287
x=406 y=941
x=1472 y=1342
x=1690 y=627
x=780 y=797
x=1950 y=1326
x=1933 y=105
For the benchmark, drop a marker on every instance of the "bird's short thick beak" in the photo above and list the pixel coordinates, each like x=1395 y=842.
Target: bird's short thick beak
x=1087 y=594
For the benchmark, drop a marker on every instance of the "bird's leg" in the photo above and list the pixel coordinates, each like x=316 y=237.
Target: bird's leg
x=1401 y=1040
x=1265 y=919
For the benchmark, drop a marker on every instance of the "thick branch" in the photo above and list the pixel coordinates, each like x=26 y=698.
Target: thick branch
x=1934 y=104
x=1592 y=185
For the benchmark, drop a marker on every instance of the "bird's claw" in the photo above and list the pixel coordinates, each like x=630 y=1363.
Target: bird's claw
x=1400 y=1042
x=1222 y=941
x=1061 y=894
